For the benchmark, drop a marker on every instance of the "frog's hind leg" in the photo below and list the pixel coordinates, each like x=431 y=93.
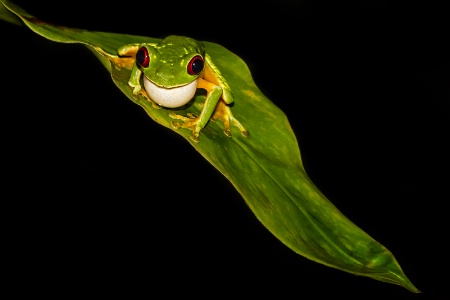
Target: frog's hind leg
x=224 y=114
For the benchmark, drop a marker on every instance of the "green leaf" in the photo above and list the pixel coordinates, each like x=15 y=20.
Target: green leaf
x=265 y=168
x=7 y=16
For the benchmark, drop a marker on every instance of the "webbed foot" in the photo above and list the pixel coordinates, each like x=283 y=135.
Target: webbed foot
x=190 y=122
x=223 y=113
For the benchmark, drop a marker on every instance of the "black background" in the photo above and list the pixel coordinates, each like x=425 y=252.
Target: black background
x=100 y=200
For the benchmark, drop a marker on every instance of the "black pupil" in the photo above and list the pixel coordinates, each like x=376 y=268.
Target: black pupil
x=197 y=65
x=140 y=56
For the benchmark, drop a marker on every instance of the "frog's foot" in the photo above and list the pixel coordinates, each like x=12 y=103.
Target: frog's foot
x=223 y=113
x=190 y=122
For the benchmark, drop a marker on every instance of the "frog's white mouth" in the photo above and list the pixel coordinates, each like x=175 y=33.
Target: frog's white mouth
x=170 y=97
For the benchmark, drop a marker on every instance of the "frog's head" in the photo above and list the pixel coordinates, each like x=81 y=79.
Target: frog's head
x=171 y=69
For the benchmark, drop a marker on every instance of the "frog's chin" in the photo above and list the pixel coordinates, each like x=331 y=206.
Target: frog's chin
x=170 y=97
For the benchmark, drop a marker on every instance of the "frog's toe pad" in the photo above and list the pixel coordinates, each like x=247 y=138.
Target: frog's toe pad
x=175 y=125
x=245 y=133
x=194 y=137
x=236 y=123
x=227 y=132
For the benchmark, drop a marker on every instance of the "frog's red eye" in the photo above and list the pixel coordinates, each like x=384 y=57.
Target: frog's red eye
x=142 y=57
x=195 y=66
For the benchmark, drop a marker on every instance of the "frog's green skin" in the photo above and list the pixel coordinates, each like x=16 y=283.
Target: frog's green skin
x=169 y=83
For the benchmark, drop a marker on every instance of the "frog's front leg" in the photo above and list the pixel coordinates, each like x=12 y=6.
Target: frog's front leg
x=135 y=83
x=196 y=124
x=216 y=105
x=214 y=108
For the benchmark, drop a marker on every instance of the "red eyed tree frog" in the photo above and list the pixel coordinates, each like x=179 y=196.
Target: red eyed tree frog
x=173 y=70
